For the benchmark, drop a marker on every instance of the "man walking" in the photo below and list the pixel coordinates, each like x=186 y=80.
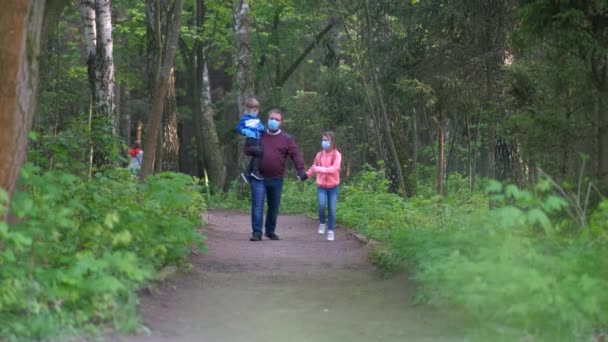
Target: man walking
x=277 y=146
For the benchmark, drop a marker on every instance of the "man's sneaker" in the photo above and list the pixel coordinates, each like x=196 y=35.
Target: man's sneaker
x=245 y=178
x=272 y=236
x=330 y=235
x=322 y=228
x=255 y=237
x=256 y=175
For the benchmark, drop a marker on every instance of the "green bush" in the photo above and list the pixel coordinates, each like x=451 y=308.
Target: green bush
x=82 y=247
x=515 y=268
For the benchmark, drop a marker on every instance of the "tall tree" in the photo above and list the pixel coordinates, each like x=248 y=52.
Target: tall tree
x=157 y=13
x=20 y=34
x=244 y=66
x=162 y=83
x=97 y=26
x=104 y=105
x=393 y=166
x=212 y=153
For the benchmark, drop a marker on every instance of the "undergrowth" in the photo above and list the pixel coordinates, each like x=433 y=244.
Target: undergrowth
x=81 y=247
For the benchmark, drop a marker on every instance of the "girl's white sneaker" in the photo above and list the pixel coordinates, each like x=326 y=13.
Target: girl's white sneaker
x=330 y=235
x=322 y=228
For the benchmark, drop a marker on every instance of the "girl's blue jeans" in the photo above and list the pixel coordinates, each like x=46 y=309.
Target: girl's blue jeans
x=326 y=202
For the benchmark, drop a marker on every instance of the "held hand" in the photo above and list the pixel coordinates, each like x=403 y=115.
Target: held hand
x=302 y=176
x=261 y=128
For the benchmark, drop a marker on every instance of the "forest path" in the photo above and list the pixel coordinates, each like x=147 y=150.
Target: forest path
x=301 y=288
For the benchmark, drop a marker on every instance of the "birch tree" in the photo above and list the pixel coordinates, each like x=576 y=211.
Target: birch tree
x=104 y=65
x=243 y=58
x=97 y=27
x=244 y=65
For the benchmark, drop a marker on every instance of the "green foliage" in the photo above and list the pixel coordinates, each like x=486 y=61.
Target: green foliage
x=81 y=248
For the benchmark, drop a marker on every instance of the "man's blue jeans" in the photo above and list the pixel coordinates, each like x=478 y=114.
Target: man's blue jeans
x=270 y=188
x=327 y=200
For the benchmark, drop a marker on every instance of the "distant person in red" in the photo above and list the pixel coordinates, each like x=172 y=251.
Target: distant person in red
x=136 y=155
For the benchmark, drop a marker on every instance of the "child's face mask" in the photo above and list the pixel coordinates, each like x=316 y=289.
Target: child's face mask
x=325 y=144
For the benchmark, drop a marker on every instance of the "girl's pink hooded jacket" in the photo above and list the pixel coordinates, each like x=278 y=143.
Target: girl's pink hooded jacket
x=327 y=167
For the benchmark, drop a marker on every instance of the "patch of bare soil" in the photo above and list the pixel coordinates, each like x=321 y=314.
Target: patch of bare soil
x=301 y=288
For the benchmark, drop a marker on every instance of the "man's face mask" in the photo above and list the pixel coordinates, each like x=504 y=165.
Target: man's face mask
x=273 y=124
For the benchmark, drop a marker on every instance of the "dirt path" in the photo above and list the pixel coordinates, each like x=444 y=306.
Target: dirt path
x=301 y=288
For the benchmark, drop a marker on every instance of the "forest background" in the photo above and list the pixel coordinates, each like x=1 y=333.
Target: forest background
x=474 y=137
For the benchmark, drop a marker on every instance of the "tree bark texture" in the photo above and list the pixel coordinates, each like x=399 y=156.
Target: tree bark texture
x=104 y=105
x=87 y=13
x=213 y=156
x=161 y=89
x=170 y=140
x=168 y=148
x=20 y=35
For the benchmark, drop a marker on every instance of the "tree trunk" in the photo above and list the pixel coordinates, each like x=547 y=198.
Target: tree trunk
x=400 y=137
x=213 y=156
x=602 y=141
x=161 y=89
x=244 y=60
x=170 y=140
x=104 y=65
x=244 y=70
x=20 y=34
x=97 y=26
x=125 y=113
x=393 y=166
x=87 y=13
x=441 y=155
x=138 y=132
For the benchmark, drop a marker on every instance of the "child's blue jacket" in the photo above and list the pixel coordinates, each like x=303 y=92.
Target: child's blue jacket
x=250 y=126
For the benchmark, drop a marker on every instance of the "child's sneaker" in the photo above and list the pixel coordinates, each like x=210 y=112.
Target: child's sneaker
x=322 y=228
x=330 y=235
x=256 y=175
x=245 y=177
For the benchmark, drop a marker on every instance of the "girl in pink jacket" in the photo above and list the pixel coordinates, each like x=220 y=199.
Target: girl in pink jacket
x=327 y=168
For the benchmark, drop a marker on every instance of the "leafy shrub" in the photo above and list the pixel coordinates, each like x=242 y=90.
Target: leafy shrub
x=512 y=268
x=80 y=248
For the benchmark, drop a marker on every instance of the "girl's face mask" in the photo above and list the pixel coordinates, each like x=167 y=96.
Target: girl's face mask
x=325 y=144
